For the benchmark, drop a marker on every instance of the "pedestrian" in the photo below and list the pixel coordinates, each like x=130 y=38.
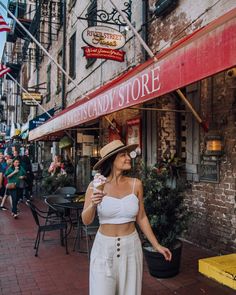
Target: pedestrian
x=57 y=167
x=3 y=166
x=5 y=181
x=116 y=262
x=27 y=165
x=15 y=174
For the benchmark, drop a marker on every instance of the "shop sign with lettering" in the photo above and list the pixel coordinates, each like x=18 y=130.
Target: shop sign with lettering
x=106 y=53
x=31 y=98
x=103 y=37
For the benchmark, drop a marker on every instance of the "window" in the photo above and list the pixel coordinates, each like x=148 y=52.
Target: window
x=61 y=13
x=50 y=28
x=72 y=68
x=92 y=21
x=48 y=97
x=59 y=73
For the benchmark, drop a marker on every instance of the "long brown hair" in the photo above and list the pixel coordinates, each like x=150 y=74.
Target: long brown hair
x=107 y=165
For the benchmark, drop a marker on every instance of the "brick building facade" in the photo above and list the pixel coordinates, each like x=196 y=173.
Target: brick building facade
x=213 y=223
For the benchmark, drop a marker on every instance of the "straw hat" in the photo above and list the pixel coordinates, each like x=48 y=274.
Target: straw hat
x=112 y=148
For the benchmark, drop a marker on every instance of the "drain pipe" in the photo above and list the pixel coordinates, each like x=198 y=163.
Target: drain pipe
x=63 y=87
x=144 y=28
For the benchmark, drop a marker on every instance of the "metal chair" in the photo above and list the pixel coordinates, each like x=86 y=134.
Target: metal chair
x=59 y=224
x=89 y=231
x=66 y=190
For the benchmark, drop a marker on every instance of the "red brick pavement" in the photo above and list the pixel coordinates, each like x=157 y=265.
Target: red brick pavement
x=55 y=273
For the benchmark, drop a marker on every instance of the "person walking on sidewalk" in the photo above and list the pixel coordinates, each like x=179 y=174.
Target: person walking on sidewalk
x=15 y=174
x=116 y=262
x=3 y=167
x=27 y=165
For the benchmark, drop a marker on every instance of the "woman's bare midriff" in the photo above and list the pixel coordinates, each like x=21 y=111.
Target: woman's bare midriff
x=116 y=230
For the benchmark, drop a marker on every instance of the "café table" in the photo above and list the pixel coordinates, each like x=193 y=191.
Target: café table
x=68 y=205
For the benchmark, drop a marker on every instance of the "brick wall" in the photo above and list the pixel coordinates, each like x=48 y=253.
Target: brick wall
x=214 y=223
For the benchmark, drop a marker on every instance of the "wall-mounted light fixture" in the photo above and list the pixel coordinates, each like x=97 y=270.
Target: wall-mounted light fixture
x=214 y=145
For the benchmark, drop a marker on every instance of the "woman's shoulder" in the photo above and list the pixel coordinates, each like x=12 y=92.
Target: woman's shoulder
x=134 y=180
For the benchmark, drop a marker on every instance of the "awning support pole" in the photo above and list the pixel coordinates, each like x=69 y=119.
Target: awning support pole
x=151 y=54
x=40 y=46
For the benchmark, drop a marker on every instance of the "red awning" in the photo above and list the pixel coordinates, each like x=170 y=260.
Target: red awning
x=204 y=53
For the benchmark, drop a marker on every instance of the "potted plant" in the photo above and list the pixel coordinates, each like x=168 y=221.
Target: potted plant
x=51 y=183
x=167 y=213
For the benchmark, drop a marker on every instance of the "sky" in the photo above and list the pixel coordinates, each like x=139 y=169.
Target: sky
x=3 y=34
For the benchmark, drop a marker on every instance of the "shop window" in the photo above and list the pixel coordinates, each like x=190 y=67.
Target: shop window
x=61 y=14
x=149 y=138
x=48 y=97
x=72 y=68
x=50 y=26
x=92 y=21
x=59 y=73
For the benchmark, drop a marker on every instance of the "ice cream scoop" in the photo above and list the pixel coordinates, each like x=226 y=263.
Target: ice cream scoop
x=99 y=182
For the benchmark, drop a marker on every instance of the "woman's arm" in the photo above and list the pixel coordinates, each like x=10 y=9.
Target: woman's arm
x=10 y=172
x=51 y=167
x=145 y=226
x=90 y=205
x=1 y=179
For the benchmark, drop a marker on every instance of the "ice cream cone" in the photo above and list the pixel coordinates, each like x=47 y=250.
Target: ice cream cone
x=99 y=182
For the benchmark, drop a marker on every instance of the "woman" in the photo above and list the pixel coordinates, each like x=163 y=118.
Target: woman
x=9 y=163
x=56 y=167
x=15 y=174
x=116 y=263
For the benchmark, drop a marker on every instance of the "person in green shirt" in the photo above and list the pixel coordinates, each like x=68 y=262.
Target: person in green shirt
x=15 y=174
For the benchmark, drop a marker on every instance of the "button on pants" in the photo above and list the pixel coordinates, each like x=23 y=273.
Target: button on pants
x=116 y=265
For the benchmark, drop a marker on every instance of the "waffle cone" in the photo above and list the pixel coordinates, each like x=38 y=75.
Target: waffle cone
x=100 y=187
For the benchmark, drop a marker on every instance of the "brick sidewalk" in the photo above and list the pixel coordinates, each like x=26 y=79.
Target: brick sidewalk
x=55 y=273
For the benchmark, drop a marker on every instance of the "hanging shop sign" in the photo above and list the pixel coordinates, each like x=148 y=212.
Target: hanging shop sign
x=103 y=42
x=39 y=120
x=103 y=37
x=31 y=98
x=106 y=53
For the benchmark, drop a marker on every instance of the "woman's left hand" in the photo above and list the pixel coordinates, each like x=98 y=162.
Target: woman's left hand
x=165 y=252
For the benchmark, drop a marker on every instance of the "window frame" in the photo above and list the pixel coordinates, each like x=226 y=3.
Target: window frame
x=49 y=72
x=92 y=13
x=72 y=57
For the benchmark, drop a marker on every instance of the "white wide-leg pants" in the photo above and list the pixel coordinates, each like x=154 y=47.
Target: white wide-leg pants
x=116 y=265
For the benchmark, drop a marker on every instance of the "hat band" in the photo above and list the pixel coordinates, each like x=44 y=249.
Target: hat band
x=113 y=151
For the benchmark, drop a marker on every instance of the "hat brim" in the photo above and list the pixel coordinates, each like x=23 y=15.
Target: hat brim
x=129 y=148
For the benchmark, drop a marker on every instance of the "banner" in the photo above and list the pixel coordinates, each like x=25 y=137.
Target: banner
x=105 y=53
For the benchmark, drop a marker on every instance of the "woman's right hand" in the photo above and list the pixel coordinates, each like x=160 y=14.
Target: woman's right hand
x=97 y=197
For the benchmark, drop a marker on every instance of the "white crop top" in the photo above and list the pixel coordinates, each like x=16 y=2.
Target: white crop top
x=117 y=211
